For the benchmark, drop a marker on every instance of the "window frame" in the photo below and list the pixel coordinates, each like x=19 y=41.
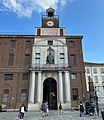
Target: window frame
x=8 y=76
x=75 y=96
x=11 y=59
x=50 y=42
x=73 y=76
x=72 y=44
x=23 y=95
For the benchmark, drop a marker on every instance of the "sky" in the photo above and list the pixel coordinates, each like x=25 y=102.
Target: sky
x=79 y=17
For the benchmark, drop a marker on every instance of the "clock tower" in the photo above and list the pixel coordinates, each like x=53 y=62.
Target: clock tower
x=50 y=20
x=50 y=25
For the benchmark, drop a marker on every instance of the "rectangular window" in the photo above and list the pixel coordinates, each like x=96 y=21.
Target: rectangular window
x=50 y=42
x=25 y=77
x=61 y=32
x=5 y=97
x=73 y=76
x=23 y=95
x=37 y=55
x=62 y=54
x=75 y=93
x=37 y=62
x=87 y=70
x=37 y=59
x=11 y=59
x=62 y=59
x=71 y=44
x=62 y=62
x=102 y=79
x=38 y=32
x=13 y=43
x=101 y=70
x=96 y=79
x=94 y=70
x=8 y=77
x=72 y=59
x=27 y=59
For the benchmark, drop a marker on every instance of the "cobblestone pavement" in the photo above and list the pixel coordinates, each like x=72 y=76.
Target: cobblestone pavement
x=53 y=115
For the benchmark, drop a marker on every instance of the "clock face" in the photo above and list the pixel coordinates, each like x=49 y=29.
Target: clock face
x=50 y=23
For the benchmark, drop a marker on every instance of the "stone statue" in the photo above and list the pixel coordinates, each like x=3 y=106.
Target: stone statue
x=50 y=59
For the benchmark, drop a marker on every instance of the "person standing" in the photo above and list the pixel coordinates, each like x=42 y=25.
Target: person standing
x=82 y=110
x=22 y=110
x=60 y=108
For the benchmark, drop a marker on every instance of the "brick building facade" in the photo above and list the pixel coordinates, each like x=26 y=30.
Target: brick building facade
x=26 y=75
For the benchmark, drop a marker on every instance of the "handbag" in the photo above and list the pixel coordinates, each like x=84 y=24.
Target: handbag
x=18 y=114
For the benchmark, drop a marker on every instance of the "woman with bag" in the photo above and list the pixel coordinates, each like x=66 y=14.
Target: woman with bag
x=22 y=110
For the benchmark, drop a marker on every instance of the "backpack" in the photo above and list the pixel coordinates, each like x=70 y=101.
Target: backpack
x=81 y=108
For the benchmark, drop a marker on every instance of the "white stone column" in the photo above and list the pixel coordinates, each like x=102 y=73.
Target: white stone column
x=60 y=88
x=39 y=87
x=32 y=87
x=67 y=87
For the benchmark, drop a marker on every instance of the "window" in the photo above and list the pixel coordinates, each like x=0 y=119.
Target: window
x=8 y=76
x=27 y=59
x=37 y=59
x=11 y=59
x=28 y=44
x=73 y=76
x=62 y=62
x=75 y=93
x=37 y=54
x=102 y=79
x=50 y=42
x=87 y=70
x=13 y=43
x=23 y=95
x=101 y=70
x=25 y=76
x=72 y=60
x=61 y=32
x=38 y=32
x=61 y=54
x=96 y=79
x=62 y=59
x=94 y=70
x=5 y=97
x=71 y=44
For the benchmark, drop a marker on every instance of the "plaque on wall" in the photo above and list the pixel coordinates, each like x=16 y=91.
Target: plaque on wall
x=49 y=31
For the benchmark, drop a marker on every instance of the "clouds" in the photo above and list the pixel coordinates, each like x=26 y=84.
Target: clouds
x=25 y=8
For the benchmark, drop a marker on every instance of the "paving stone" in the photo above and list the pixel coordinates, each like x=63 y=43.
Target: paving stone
x=53 y=115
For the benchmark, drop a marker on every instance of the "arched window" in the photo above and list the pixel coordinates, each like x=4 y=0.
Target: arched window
x=5 y=97
x=28 y=44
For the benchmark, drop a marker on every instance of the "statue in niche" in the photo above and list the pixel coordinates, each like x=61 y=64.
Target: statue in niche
x=50 y=59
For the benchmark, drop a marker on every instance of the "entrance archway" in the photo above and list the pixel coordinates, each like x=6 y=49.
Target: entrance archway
x=50 y=93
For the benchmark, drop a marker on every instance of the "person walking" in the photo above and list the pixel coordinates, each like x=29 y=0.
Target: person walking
x=82 y=110
x=22 y=110
x=60 y=108
x=47 y=108
x=44 y=110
